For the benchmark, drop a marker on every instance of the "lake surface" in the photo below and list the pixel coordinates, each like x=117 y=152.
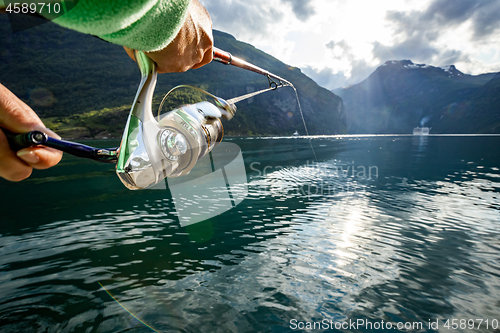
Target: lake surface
x=413 y=239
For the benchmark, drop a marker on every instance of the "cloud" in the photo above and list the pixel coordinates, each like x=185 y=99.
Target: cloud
x=332 y=79
x=266 y=24
x=340 y=53
x=256 y=18
x=484 y=15
x=244 y=18
x=450 y=11
x=342 y=45
x=450 y=57
x=337 y=44
x=415 y=48
x=444 y=15
x=302 y=9
x=421 y=36
x=348 y=68
x=414 y=36
x=325 y=77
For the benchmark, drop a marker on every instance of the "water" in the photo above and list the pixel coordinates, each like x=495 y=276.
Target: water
x=417 y=239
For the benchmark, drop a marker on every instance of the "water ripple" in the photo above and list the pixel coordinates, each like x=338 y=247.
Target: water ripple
x=310 y=242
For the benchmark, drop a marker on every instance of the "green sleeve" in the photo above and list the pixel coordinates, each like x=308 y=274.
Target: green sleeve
x=146 y=25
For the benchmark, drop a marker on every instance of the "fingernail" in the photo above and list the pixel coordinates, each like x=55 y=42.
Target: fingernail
x=47 y=131
x=28 y=156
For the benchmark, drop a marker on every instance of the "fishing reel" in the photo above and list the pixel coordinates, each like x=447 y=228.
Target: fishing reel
x=168 y=145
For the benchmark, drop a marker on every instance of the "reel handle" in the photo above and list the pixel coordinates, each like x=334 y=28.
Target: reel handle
x=24 y=140
x=37 y=138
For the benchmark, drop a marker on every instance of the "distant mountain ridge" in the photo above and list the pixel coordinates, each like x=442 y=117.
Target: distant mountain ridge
x=400 y=95
x=84 y=86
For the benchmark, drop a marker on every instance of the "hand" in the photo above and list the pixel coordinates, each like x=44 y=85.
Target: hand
x=18 y=117
x=191 y=48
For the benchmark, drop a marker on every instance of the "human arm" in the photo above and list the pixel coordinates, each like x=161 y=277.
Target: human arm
x=176 y=34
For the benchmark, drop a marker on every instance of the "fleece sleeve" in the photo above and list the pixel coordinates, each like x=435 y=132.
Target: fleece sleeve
x=146 y=25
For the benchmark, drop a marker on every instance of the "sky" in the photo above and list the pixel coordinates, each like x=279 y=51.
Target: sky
x=341 y=42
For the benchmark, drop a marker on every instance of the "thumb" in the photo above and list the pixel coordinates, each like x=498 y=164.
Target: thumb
x=15 y=115
x=18 y=117
x=130 y=52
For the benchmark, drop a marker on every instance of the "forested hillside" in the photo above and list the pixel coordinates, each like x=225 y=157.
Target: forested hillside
x=82 y=86
x=401 y=95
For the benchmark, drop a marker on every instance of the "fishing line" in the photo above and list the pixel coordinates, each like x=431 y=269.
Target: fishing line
x=228 y=59
x=124 y=308
x=304 y=122
x=287 y=84
x=274 y=87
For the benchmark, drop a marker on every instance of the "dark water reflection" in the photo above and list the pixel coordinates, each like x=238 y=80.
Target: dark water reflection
x=415 y=240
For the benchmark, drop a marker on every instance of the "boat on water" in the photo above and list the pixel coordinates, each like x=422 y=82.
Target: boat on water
x=296 y=133
x=421 y=131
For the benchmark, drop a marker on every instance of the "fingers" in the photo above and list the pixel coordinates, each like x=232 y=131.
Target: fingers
x=130 y=52
x=11 y=167
x=207 y=58
x=40 y=158
x=18 y=117
x=15 y=115
x=180 y=56
x=192 y=47
x=184 y=63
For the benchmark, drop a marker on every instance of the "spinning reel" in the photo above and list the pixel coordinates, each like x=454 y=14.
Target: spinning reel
x=153 y=148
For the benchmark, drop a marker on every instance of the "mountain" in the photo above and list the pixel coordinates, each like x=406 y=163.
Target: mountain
x=480 y=113
x=401 y=95
x=83 y=87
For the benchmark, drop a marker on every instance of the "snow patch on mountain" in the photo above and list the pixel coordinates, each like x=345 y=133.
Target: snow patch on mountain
x=416 y=66
x=451 y=70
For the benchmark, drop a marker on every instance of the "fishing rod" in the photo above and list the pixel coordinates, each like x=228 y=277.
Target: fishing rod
x=227 y=59
x=155 y=148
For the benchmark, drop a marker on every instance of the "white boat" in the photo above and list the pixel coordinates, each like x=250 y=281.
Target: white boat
x=296 y=133
x=421 y=131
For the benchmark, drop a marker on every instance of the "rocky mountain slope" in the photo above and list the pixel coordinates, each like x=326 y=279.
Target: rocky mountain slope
x=401 y=95
x=84 y=86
